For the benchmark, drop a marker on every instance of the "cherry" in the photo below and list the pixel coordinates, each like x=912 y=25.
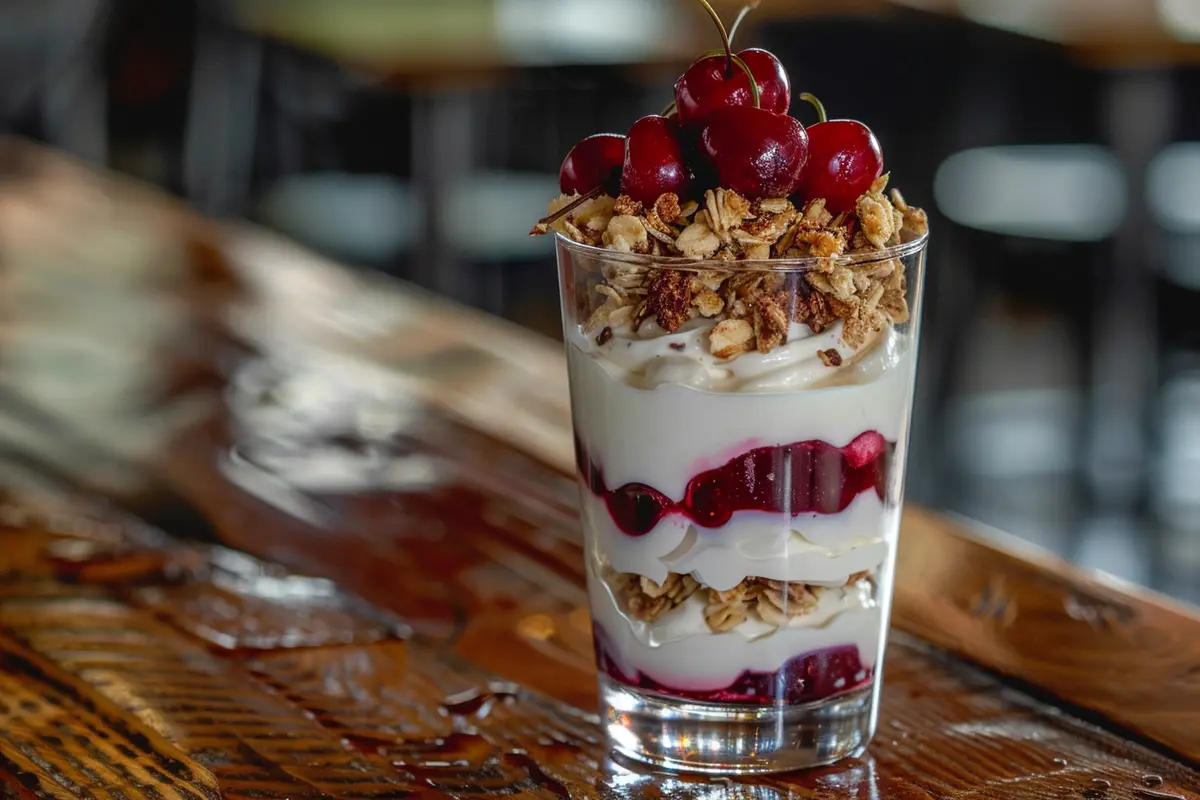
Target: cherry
x=752 y=77
x=654 y=160
x=596 y=161
x=709 y=84
x=755 y=152
x=844 y=159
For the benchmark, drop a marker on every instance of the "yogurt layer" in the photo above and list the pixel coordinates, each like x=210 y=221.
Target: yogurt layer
x=815 y=549
x=653 y=425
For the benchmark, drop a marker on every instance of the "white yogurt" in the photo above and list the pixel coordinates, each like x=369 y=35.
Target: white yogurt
x=650 y=357
x=823 y=550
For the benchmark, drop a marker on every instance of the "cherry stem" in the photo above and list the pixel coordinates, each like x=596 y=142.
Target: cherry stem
x=669 y=110
x=543 y=224
x=753 y=83
x=737 y=23
x=808 y=98
x=716 y=18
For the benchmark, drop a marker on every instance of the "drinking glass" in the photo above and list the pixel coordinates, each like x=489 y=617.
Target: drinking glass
x=740 y=508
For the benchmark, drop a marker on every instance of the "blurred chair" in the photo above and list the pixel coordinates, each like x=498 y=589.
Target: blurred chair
x=222 y=116
x=52 y=60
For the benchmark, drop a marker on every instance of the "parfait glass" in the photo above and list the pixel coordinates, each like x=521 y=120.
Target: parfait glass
x=740 y=504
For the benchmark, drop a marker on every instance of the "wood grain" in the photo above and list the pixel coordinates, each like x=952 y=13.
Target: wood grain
x=391 y=717
x=1130 y=656
x=58 y=739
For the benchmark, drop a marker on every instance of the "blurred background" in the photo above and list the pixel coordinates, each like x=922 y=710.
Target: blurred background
x=1056 y=144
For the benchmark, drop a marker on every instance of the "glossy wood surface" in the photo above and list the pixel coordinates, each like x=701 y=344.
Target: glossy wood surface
x=409 y=619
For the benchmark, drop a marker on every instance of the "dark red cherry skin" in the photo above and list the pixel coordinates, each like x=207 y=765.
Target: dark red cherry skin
x=655 y=161
x=755 y=152
x=708 y=85
x=595 y=161
x=844 y=159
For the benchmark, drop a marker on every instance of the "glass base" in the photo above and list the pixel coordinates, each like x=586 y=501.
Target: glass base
x=679 y=734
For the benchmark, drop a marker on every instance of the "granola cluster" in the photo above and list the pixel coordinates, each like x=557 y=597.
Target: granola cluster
x=752 y=309
x=773 y=602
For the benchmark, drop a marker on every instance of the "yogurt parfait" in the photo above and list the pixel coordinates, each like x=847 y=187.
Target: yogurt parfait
x=741 y=336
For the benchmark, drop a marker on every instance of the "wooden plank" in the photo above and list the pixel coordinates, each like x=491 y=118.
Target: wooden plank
x=1132 y=656
x=395 y=718
x=58 y=739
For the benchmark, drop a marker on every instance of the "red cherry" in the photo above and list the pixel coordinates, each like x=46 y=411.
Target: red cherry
x=755 y=152
x=708 y=85
x=654 y=160
x=844 y=159
x=593 y=162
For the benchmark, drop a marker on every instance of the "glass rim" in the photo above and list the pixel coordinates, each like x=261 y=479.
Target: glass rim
x=747 y=265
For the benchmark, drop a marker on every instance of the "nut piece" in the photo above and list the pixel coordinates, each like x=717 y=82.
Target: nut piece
x=668 y=297
x=660 y=217
x=770 y=321
x=626 y=205
x=830 y=357
x=666 y=208
x=697 y=241
x=730 y=338
x=814 y=311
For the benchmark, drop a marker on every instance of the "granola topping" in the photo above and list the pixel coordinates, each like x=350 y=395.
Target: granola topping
x=751 y=310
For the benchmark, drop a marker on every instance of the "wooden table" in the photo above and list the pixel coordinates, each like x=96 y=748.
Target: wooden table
x=370 y=597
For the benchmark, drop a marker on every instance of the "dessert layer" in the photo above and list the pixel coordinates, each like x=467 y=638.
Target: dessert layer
x=821 y=550
x=804 y=679
x=791 y=479
x=665 y=436
x=650 y=356
x=680 y=651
